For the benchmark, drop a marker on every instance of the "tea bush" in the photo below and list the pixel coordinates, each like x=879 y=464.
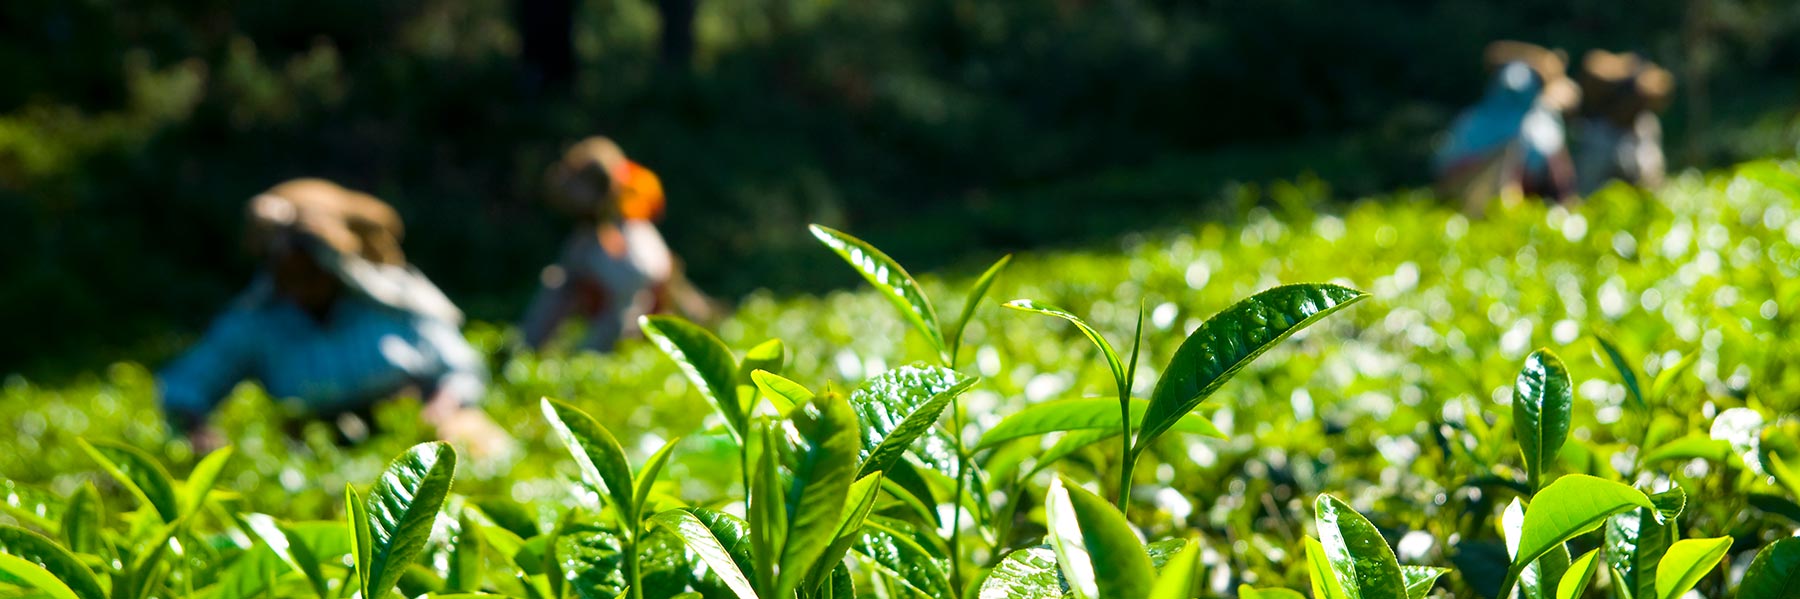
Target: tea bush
x=1568 y=403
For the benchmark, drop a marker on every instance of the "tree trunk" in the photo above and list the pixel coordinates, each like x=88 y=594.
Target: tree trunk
x=547 y=47
x=677 y=31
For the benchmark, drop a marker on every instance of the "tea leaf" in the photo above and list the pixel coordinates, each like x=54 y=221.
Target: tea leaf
x=977 y=291
x=1095 y=547
x=1687 y=561
x=602 y=460
x=707 y=363
x=1083 y=414
x=1358 y=554
x=44 y=555
x=138 y=474
x=1774 y=573
x=1229 y=341
x=402 y=507
x=1581 y=572
x=887 y=276
x=1542 y=397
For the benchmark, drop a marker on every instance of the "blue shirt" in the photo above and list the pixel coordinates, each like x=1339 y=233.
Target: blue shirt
x=362 y=352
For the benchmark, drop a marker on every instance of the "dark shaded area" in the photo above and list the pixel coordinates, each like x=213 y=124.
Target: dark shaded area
x=131 y=134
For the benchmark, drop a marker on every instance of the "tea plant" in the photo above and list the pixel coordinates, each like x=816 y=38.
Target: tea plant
x=1413 y=445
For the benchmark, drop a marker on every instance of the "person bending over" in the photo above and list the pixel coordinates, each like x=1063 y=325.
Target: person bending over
x=1512 y=143
x=336 y=320
x=615 y=266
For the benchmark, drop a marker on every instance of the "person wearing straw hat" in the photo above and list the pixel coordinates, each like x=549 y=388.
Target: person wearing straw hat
x=615 y=267
x=1512 y=143
x=1620 y=136
x=336 y=320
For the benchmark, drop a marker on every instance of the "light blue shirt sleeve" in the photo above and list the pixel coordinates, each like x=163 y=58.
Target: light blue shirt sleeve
x=193 y=384
x=463 y=373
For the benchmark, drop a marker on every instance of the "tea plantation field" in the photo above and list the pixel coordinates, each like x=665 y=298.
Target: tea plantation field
x=1588 y=402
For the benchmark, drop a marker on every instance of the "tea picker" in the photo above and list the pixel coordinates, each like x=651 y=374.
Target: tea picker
x=335 y=321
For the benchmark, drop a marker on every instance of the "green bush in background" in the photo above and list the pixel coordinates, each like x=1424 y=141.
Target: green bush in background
x=1420 y=430
x=132 y=133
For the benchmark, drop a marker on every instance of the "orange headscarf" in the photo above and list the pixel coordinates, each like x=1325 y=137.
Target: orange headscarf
x=595 y=180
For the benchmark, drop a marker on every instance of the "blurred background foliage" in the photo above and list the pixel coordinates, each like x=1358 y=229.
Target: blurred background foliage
x=131 y=133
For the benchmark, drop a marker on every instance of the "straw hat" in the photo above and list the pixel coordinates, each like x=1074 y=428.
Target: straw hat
x=1619 y=86
x=351 y=235
x=1551 y=66
x=595 y=180
x=346 y=221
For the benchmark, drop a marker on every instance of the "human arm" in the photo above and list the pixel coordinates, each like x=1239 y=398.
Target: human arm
x=190 y=387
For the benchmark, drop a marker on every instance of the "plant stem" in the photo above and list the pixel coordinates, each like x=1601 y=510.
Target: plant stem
x=1126 y=459
x=962 y=474
x=633 y=573
x=1507 y=583
x=744 y=472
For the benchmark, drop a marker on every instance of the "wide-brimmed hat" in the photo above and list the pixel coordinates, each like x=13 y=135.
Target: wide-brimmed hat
x=1625 y=82
x=1551 y=67
x=594 y=180
x=345 y=221
x=351 y=235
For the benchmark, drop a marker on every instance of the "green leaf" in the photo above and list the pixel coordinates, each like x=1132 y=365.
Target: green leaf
x=1542 y=398
x=705 y=360
x=646 y=479
x=903 y=404
x=1230 y=340
x=1775 y=573
x=252 y=574
x=1325 y=583
x=768 y=512
x=1575 y=581
x=1697 y=445
x=1071 y=442
x=464 y=574
x=1687 y=561
x=1107 y=352
x=30 y=505
x=1099 y=554
x=1246 y=592
x=895 y=553
x=1637 y=539
x=1627 y=374
x=297 y=555
x=1419 y=580
x=1665 y=379
x=768 y=356
x=200 y=482
x=42 y=553
x=731 y=536
x=1029 y=573
x=857 y=505
x=1569 y=507
x=976 y=293
x=402 y=507
x=917 y=395
x=1359 y=555
x=139 y=474
x=783 y=393
x=602 y=460
x=33 y=576
x=886 y=275
x=356 y=519
x=84 y=521
x=1783 y=473
x=824 y=468
x=1083 y=414
x=1181 y=576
